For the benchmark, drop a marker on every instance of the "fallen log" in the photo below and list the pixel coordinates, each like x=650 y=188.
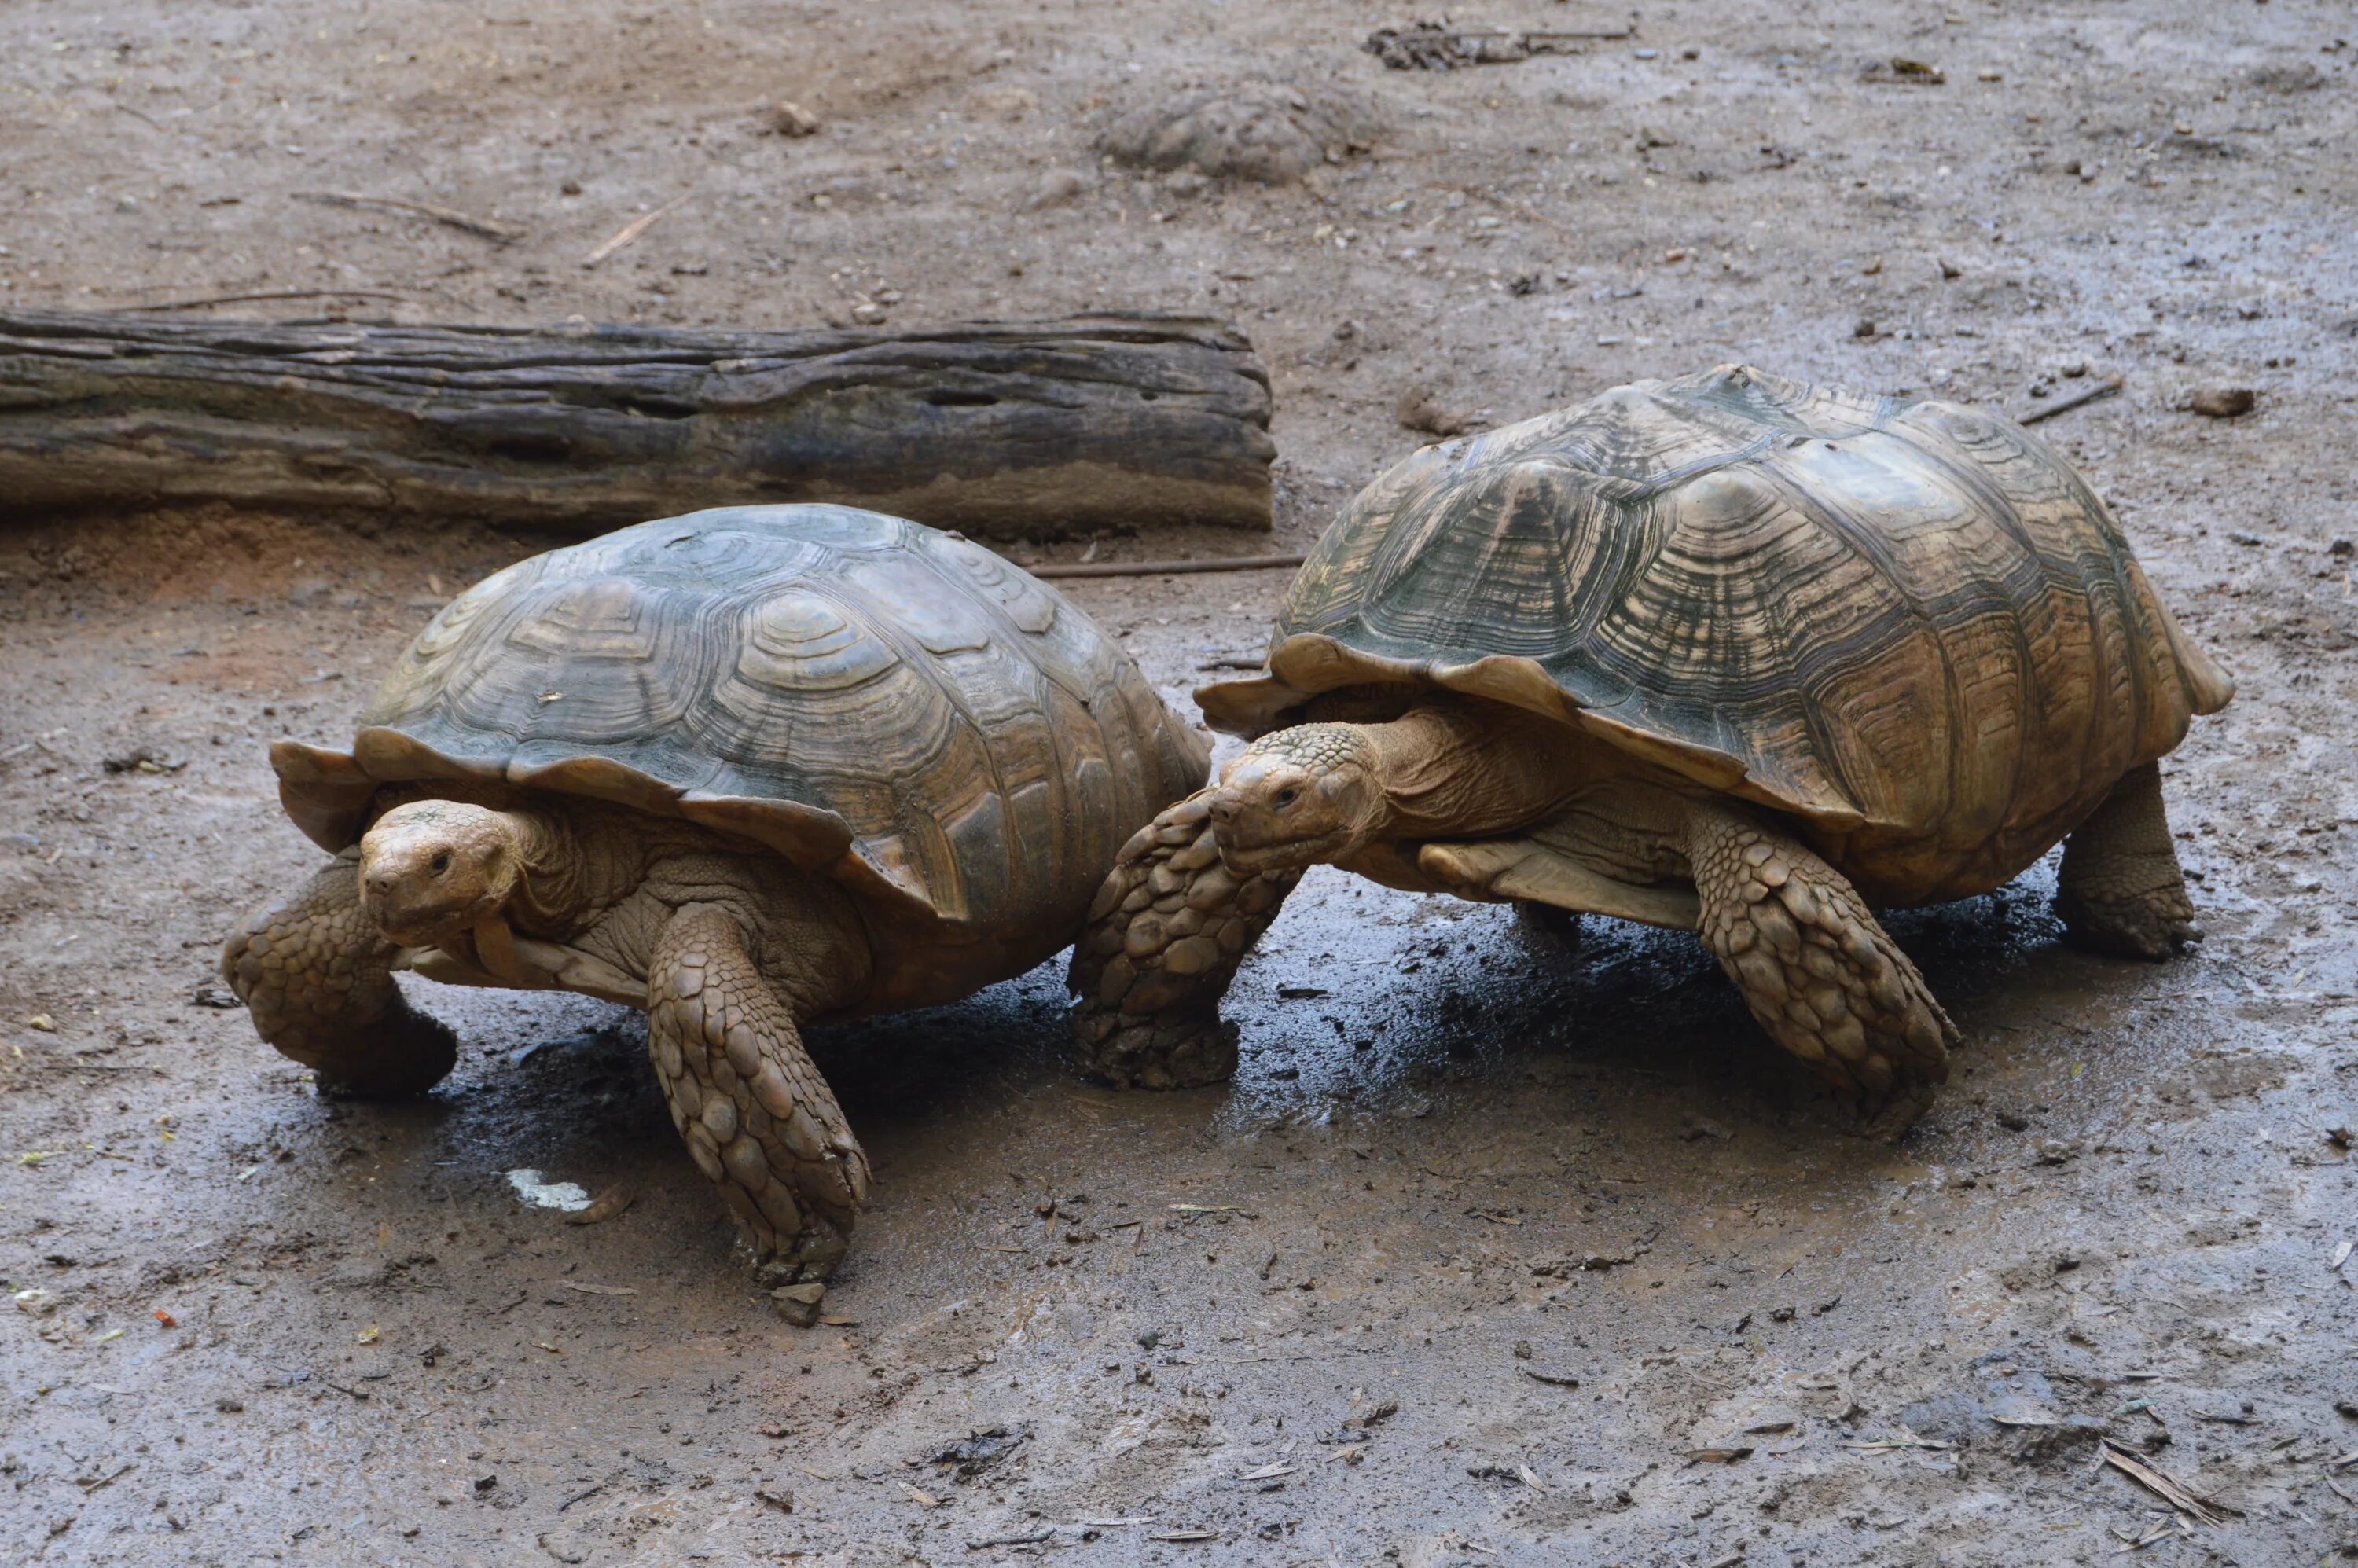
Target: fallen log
x=1034 y=429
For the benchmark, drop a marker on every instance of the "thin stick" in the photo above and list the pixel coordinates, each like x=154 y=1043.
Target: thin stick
x=474 y=225
x=1512 y=204
x=2104 y=388
x=633 y=230
x=1163 y=568
x=203 y=300
x=1545 y=35
x=2209 y=1510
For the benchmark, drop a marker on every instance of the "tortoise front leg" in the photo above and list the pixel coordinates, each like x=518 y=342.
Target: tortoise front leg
x=2119 y=889
x=1164 y=938
x=1824 y=981
x=758 y=1119
x=316 y=978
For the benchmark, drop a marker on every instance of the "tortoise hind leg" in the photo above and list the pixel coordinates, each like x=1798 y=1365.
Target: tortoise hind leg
x=2120 y=890
x=1164 y=938
x=758 y=1119
x=1824 y=981
x=317 y=979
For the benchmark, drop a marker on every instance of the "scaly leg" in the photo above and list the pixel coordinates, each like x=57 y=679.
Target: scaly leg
x=2120 y=890
x=758 y=1119
x=1163 y=940
x=1548 y=920
x=316 y=978
x=1824 y=981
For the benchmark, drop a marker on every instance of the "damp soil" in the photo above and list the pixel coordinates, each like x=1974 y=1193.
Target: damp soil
x=1505 y=1245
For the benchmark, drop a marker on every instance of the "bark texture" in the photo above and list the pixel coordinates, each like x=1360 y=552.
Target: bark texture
x=1000 y=428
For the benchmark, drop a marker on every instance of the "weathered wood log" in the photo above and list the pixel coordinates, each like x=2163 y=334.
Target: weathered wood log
x=1032 y=428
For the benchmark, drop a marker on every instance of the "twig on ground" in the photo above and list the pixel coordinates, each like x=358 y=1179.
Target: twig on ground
x=2207 y=1509
x=2104 y=388
x=482 y=227
x=1513 y=204
x=204 y=300
x=1163 y=568
x=633 y=229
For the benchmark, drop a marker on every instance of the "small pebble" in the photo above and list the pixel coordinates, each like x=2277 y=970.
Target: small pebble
x=2223 y=402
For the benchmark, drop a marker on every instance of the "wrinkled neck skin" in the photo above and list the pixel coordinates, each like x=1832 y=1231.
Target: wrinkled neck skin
x=1472 y=773
x=561 y=871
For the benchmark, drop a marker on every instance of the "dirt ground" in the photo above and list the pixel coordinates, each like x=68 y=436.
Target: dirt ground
x=1501 y=1248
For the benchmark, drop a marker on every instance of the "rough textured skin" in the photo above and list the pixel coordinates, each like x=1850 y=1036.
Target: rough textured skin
x=1164 y=937
x=2119 y=889
x=1822 y=977
x=316 y=979
x=1910 y=627
x=758 y=1119
x=1317 y=746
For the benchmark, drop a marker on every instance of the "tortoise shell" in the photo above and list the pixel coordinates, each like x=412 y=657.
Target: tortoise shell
x=1908 y=625
x=890 y=705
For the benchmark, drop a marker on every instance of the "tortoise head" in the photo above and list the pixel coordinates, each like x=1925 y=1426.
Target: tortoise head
x=1297 y=797
x=434 y=868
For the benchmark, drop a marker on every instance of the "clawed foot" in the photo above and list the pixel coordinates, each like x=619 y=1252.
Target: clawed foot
x=1175 y=1050
x=811 y=1255
x=399 y=1056
x=1164 y=937
x=1824 y=978
x=2149 y=925
x=1886 y=1121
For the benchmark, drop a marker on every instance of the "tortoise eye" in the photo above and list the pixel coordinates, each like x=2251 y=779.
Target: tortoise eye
x=441 y=862
x=1286 y=798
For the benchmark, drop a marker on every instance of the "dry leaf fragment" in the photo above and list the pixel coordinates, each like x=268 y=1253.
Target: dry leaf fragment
x=606 y=1205
x=2209 y=1510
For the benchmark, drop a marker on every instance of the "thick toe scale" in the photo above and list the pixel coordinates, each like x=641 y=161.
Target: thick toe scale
x=1820 y=976
x=317 y=980
x=1164 y=938
x=758 y=1119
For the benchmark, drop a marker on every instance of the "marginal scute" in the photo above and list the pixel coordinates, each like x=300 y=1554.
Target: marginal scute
x=1909 y=626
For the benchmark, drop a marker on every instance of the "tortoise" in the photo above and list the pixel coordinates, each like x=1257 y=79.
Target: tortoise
x=750 y=769
x=1728 y=653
